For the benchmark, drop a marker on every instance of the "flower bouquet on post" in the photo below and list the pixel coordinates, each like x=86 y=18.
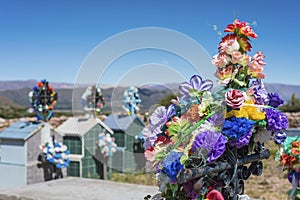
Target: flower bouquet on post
x=288 y=154
x=206 y=144
x=56 y=155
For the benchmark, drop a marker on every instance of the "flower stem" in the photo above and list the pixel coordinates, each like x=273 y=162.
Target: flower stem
x=190 y=130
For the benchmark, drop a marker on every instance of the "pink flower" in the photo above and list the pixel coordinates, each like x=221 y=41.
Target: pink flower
x=229 y=46
x=224 y=73
x=234 y=98
x=221 y=59
x=256 y=66
x=150 y=154
x=259 y=58
x=236 y=56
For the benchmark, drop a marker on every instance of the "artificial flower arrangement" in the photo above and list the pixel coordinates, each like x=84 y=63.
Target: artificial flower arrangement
x=107 y=144
x=55 y=153
x=43 y=98
x=201 y=143
x=289 y=157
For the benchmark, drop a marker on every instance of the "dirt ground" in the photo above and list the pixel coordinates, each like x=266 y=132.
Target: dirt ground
x=273 y=184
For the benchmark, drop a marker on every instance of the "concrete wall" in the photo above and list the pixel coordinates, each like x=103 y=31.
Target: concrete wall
x=12 y=164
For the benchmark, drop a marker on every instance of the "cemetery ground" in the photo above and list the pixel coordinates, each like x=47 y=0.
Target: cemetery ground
x=271 y=185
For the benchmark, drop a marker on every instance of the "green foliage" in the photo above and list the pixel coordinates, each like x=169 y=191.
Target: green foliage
x=293 y=105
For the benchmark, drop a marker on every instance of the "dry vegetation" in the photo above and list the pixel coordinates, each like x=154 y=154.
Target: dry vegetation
x=272 y=185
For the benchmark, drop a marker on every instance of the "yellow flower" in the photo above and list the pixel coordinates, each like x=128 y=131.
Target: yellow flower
x=248 y=111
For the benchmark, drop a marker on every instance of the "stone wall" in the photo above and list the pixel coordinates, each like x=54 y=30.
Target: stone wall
x=294 y=119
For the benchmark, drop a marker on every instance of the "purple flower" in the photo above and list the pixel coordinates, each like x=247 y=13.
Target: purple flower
x=235 y=128
x=160 y=116
x=189 y=189
x=172 y=166
x=275 y=100
x=213 y=142
x=260 y=93
x=217 y=119
x=279 y=137
x=242 y=141
x=276 y=120
x=150 y=137
x=196 y=84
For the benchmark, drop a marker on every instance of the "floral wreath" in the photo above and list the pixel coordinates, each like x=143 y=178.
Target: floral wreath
x=55 y=153
x=107 y=144
x=92 y=99
x=43 y=99
x=200 y=143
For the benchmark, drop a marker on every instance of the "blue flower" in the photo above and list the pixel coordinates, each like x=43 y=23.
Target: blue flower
x=171 y=165
x=236 y=128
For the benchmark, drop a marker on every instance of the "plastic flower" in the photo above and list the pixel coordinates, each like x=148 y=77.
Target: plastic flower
x=241 y=141
x=214 y=195
x=235 y=128
x=189 y=189
x=213 y=142
x=287 y=160
x=276 y=120
x=224 y=73
x=194 y=87
x=248 y=111
x=150 y=137
x=279 y=137
x=160 y=116
x=56 y=153
x=274 y=100
x=217 y=119
x=207 y=100
x=221 y=60
x=295 y=148
x=234 y=98
x=171 y=165
x=260 y=93
x=241 y=28
x=150 y=154
x=229 y=46
x=107 y=144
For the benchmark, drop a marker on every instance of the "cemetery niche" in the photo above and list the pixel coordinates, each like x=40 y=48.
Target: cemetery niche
x=208 y=142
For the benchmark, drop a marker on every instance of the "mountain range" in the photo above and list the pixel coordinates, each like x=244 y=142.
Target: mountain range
x=16 y=93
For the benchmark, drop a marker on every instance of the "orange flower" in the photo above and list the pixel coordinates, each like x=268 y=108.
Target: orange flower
x=287 y=160
x=295 y=150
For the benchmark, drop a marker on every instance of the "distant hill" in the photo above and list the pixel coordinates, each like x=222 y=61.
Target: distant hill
x=14 y=85
x=150 y=94
x=6 y=102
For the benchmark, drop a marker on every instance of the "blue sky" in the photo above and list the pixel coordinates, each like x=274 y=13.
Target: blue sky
x=51 y=39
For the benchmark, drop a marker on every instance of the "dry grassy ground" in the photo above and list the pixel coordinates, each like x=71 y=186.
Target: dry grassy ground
x=272 y=185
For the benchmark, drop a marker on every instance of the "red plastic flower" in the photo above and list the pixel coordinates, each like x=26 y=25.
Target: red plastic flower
x=241 y=28
x=287 y=160
x=234 y=98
